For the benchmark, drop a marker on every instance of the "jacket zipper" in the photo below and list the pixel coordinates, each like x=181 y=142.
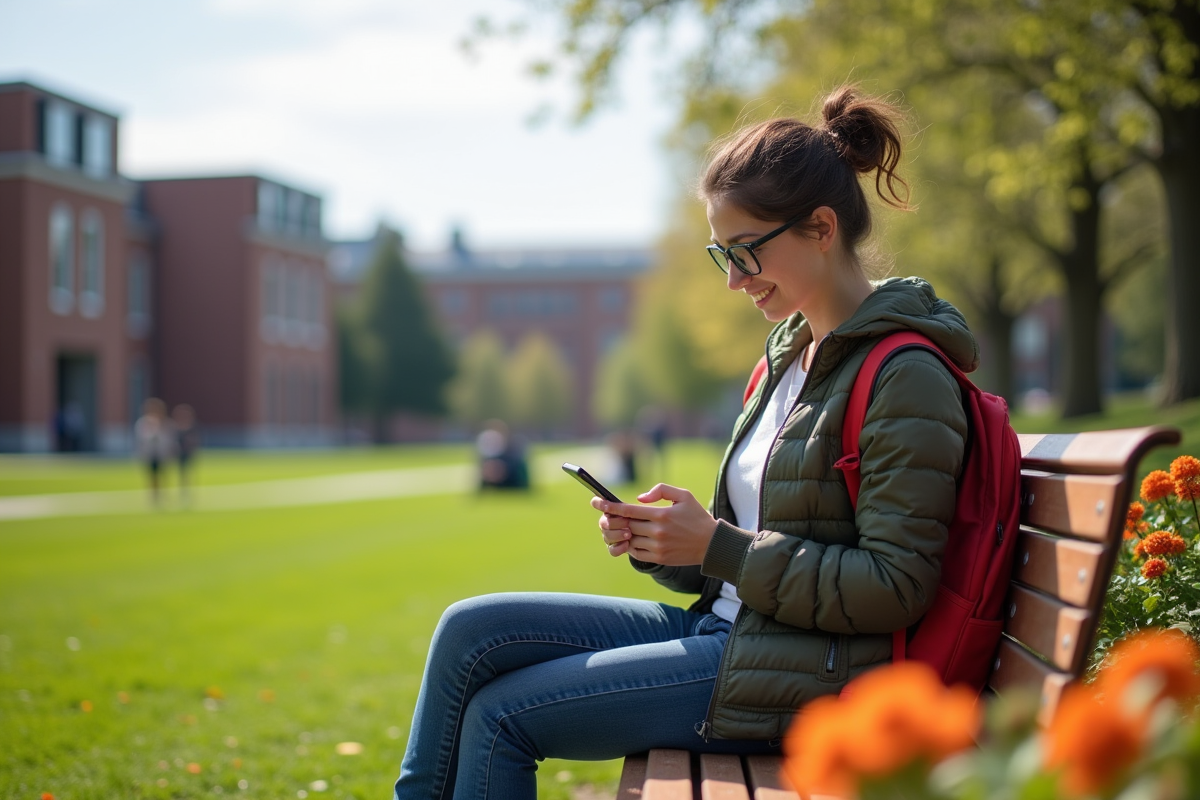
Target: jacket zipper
x=831 y=659
x=705 y=727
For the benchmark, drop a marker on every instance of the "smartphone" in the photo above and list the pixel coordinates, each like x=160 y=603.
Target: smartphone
x=599 y=489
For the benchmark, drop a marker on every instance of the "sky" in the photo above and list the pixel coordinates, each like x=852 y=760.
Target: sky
x=371 y=104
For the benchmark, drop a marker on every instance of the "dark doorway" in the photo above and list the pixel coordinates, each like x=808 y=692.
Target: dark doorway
x=75 y=416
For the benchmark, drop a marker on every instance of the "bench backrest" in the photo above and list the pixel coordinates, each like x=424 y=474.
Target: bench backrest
x=1075 y=491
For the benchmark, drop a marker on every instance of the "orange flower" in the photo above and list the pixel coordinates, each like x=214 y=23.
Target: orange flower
x=815 y=749
x=86 y=706
x=1091 y=742
x=1143 y=528
x=1136 y=511
x=1163 y=543
x=1157 y=485
x=47 y=796
x=1171 y=655
x=1154 y=568
x=891 y=717
x=1129 y=534
x=1185 y=467
x=194 y=768
x=1139 y=549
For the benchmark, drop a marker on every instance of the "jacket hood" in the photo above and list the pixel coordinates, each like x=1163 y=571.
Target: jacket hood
x=896 y=304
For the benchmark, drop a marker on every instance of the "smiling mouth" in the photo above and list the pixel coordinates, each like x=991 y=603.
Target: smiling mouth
x=758 y=297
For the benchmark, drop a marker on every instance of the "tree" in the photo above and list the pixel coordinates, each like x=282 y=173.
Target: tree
x=480 y=391
x=621 y=389
x=539 y=384
x=355 y=358
x=412 y=365
x=1087 y=138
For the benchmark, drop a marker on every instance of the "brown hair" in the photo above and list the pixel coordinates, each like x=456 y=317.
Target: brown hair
x=785 y=168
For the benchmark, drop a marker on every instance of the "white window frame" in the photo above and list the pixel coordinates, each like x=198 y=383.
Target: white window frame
x=61 y=229
x=97 y=146
x=91 y=263
x=59 y=133
x=138 y=317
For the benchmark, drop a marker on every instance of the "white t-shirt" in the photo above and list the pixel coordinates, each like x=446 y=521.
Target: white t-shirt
x=743 y=479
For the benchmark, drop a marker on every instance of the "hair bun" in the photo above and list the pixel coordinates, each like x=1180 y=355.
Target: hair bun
x=867 y=136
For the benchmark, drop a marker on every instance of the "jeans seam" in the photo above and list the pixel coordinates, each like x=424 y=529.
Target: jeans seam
x=462 y=702
x=491 y=750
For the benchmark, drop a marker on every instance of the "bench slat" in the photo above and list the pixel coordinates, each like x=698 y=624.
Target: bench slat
x=1016 y=668
x=721 y=777
x=633 y=776
x=1052 y=629
x=1063 y=568
x=767 y=780
x=1076 y=505
x=1093 y=452
x=668 y=775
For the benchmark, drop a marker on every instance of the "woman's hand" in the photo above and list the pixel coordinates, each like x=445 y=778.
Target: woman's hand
x=674 y=535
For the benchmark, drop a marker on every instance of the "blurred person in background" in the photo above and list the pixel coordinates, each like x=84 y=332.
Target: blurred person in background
x=155 y=442
x=187 y=442
x=502 y=463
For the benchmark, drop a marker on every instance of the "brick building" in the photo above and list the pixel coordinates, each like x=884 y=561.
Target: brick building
x=206 y=291
x=580 y=298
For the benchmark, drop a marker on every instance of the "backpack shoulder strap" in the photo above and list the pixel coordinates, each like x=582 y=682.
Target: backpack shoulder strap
x=756 y=376
x=856 y=414
x=860 y=398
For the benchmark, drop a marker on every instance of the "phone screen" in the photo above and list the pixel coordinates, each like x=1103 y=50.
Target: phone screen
x=596 y=487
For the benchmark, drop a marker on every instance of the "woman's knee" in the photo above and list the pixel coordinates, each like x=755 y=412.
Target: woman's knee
x=465 y=623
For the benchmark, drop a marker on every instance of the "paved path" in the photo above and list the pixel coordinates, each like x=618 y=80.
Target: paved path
x=321 y=490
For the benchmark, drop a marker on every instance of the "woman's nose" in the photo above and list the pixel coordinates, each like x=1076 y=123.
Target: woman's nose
x=735 y=279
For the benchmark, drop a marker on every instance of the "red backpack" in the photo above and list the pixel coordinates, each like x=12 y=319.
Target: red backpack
x=959 y=634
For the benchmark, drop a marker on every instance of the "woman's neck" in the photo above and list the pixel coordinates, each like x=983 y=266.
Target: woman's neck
x=845 y=291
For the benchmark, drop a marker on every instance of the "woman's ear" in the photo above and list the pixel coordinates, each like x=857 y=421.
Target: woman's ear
x=825 y=226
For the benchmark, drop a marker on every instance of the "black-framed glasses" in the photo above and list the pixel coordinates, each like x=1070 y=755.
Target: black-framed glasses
x=742 y=255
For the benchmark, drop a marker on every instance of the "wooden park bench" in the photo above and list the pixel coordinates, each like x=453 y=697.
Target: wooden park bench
x=1075 y=490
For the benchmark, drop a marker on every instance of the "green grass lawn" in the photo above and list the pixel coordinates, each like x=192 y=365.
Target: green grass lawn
x=1127 y=411
x=179 y=655
x=52 y=474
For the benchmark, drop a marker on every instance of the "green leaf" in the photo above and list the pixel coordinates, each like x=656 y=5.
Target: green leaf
x=1150 y=603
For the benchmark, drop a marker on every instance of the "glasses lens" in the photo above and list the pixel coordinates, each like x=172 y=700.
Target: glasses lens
x=718 y=259
x=744 y=259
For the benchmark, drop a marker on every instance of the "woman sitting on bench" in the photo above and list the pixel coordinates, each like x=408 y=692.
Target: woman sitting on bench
x=798 y=593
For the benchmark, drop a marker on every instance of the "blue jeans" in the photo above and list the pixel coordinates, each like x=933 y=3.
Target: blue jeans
x=515 y=678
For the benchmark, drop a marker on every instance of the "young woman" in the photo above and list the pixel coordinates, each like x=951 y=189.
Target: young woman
x=798 y=593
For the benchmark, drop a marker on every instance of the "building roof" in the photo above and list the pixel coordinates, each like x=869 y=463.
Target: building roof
x=349 y=260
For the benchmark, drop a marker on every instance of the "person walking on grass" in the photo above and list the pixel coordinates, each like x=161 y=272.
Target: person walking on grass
x=187 y=442
x=798 y=593
x=154 y=439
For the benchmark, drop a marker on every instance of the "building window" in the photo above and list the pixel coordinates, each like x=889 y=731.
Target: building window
x=270 y=205
x=312 y=217
x=138 y=320
x=453 y=302
x=91 y=234
x=271 y=395
x=295 y=212
x=139 y=387
x=612 y=299
x=272 y=300
x=97 y=146
x=59 y=134
x=62 y=260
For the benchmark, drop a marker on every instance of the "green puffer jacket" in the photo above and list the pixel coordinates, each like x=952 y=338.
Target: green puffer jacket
x=822 y=587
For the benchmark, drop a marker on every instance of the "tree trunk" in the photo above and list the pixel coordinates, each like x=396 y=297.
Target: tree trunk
x=1180 y=170
x=998 y=328
x=1085 y=291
